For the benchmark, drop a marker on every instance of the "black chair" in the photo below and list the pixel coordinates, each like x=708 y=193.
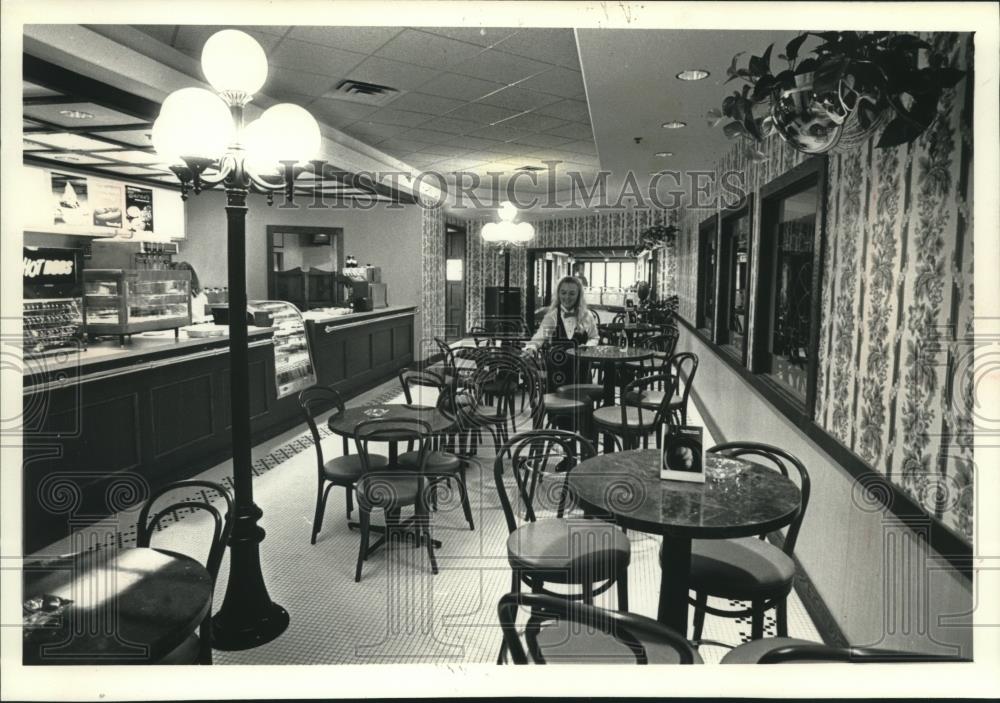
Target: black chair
x=562 y=632
x=588 y=553
x=782 y=650
x=663 y=347
x=341 y=471
x=420 y=378
x=750 y=568
x=439 y=460
x=637 y=422
x=682 y=367
x=197 y=648
x=392 y=487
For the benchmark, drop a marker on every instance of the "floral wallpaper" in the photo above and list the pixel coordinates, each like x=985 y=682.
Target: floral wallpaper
x=894 y=376
x=484 y=264
x=432 y=303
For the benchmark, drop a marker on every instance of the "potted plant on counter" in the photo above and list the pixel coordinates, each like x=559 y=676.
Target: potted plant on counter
x=852 y=85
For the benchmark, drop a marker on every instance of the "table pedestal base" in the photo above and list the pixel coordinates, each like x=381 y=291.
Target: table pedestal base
x=675 y=565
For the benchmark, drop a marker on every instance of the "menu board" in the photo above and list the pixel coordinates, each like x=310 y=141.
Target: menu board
x=71 y=202
x=139 y=209
x=106 y=202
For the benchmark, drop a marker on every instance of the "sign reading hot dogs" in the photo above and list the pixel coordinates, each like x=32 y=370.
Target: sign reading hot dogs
x=51 y=272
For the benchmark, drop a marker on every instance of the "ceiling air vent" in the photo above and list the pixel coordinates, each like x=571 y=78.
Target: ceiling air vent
x=361 y=92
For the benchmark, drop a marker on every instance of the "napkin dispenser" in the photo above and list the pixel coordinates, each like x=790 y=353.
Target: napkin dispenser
x=683 y=455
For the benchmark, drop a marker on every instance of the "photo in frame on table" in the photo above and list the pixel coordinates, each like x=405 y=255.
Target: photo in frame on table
x=683 y=455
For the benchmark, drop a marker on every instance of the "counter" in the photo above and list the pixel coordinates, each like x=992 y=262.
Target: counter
x=353 y=351
x=104 y=426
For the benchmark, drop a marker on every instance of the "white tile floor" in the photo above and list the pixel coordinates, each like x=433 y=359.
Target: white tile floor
x=400 y=612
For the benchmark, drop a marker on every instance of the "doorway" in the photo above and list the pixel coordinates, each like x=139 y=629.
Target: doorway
x=454 y=292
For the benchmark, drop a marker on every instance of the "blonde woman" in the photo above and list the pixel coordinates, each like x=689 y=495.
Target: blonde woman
x=568 y=322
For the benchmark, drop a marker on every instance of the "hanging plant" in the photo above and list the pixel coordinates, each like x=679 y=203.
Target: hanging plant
x=852 y=85
x=655 y=237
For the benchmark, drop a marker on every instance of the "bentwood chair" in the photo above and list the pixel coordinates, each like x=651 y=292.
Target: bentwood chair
x=782 y=650
x=564 y=632
x=682 y=367
x=197 y=648
x=637 y=422
x=341 y=471
x=391 y=487
x=749 y=568
x=544 y=546
x=663 y=347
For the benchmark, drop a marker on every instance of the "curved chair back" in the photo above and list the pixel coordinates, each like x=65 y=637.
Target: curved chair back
x=634 y=632
x=619 y=319
x=507 y=371
x=449 y=356
x=529 y=454
x=782 y=461
x=312 y=401
x=848 y=655
x=419 y=377
x=376 y=487
x=665 y=342
x=685 y=363
x=634 y=390
x=222 y=522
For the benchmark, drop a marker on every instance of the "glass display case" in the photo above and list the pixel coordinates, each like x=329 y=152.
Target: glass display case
x=125 y=302
x=293 y=364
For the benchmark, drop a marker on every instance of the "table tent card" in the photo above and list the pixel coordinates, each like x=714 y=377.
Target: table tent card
x=683 y=454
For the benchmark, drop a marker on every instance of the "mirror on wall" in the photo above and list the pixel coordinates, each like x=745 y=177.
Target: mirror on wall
x=303 y=263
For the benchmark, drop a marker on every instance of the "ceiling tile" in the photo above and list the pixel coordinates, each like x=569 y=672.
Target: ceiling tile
x=449 y=124
x=79 y=159
x=404 y=118
x=364 y=40
x=314 y=58
x=431 y=50
x=102 y=116
x=573 y=110
x=68 y=141
x=556 y=46
x=468 y=142
x=130 y=170
x=546 y=140
x=444 y=150
x=483 y=113
x=482 y=36
x=338 y=113
x=427 y=104
x=132 y=157
x=373 y=133
x=575 y=130
x=401 y=76
x=498 y=66
x=517 y=98
x=290 y=85
x=558 y=81
x=31 y=90
x=135 y=137
x=535 y=122
x=500 y=132
x=584 y=146
x=428 y=136
x=458 y=87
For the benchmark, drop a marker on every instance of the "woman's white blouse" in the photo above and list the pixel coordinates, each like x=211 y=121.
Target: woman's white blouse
x=586 y=323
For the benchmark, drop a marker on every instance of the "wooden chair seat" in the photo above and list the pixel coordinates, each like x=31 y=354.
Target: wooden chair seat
x=388 y=490
x=747 y=568
x=347 y=469
x=437 y=461
x=611 y=417
x=592 y=391
x=562 y=642
x=557 y=403
x=751 y=652
x=562 y=552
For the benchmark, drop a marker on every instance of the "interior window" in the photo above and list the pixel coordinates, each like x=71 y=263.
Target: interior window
x=736 y=236
x=793 y=241
x=706 y=278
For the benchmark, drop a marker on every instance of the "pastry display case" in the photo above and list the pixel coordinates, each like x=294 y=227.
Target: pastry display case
x=54 y=314
x=294 y=369
x=123 y=302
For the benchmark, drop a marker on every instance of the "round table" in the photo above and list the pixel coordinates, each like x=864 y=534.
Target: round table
x=631 y=329
x=627 y=485
x=345 y=423
x=130 y=606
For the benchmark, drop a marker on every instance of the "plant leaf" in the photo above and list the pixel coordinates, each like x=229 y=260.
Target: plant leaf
x=766 y=58
x=734 y=129
x=763 y=88
x=806 y=66
x=732 y=66
x=948 y=77
x=792 y=49
x=784 y=80
x=907 y=42
x=757 y=66
x=899 y=131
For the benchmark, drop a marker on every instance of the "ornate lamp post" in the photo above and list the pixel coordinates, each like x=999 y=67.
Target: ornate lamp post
x=202 y=135
x=507 y=233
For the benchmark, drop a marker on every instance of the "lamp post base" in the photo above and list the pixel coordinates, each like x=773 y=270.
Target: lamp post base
x=248 y=617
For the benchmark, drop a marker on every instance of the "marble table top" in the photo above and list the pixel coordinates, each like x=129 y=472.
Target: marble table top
x=627 y=485
x=609 y=354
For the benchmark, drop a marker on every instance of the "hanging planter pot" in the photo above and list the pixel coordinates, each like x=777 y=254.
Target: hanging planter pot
x=812 y=123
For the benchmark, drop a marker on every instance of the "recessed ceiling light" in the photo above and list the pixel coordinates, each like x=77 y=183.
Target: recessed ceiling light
x=693 y=74
x=77 y=114
x=664 y=154
x=674 y=124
